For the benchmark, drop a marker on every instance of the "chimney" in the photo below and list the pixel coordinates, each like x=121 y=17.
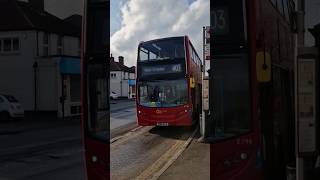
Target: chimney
x=111 y=58
x=121 y=59
x=37 y=4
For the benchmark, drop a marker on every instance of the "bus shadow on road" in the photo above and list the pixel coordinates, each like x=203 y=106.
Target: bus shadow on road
x=173 y=132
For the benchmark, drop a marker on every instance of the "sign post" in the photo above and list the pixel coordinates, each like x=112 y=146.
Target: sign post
x=307 y=110
x=205 y=81
x=306 y=92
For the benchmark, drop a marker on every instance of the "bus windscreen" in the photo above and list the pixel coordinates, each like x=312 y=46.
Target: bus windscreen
x=163 y=93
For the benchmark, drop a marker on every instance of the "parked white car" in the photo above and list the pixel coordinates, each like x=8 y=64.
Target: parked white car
x=113 y=95
x=10 y=108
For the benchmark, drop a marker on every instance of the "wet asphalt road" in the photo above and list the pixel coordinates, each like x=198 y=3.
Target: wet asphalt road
x=47 y=148
x=123 y=112
x=121 y=118
x=41 y=150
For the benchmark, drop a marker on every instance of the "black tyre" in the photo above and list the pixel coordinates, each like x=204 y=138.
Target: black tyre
x=18 y=119
x=4 y=116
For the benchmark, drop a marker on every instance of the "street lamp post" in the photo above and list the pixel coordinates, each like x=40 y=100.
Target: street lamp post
x=35 y=67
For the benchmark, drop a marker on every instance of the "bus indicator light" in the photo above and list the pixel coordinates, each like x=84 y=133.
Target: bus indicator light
x=192 y=83
x=263 y=66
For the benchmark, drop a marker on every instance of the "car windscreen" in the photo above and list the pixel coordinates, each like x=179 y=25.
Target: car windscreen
x=10 y=98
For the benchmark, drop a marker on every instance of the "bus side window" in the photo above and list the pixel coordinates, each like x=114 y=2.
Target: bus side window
x=190 y=51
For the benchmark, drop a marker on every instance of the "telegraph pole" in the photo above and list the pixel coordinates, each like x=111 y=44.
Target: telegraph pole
x=300 y=23
x=299 y=43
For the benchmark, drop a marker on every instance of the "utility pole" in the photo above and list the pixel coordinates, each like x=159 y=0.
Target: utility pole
x=300 y=23
x=299 y=43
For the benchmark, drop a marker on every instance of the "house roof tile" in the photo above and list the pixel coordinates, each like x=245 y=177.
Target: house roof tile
x=16 y=15
x=116 y=66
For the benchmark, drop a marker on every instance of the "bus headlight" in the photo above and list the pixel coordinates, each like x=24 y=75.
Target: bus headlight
x=243 y=156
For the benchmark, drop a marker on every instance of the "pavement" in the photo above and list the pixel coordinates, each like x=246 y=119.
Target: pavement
x=193 y=163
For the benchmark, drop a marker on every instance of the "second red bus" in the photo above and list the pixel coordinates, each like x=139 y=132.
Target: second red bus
x=168 y=82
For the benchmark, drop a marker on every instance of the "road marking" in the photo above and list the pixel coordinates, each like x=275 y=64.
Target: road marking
x=129 y=135
x=166 y=160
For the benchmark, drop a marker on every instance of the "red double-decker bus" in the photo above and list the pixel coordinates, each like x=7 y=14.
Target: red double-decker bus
x=251 y=112
x=168 y=82
x=95 y=89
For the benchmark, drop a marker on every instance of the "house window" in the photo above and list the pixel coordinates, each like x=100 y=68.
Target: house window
x=113 y=75
x=60 y=45
x=9 y=45
x=6 y=45
x=45 y=44
x=15 y=44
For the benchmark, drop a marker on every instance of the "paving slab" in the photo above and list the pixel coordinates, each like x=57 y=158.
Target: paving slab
x=193 y=163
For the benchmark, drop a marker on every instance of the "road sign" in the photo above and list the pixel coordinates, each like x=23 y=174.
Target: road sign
x=206 y=43
x=306 y=106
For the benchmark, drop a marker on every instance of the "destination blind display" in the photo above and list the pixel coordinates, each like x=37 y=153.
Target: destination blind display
x=161 y=69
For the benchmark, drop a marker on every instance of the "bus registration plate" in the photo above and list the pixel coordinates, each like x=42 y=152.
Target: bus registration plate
x=162 y=124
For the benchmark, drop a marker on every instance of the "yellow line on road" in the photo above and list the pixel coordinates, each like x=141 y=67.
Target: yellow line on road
x=129 y=135
x=166 y=160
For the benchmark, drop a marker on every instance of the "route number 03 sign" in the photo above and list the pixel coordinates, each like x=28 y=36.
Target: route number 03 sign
x=220 y=21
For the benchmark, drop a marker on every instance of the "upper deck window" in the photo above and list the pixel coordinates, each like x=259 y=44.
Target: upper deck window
x=164 y=49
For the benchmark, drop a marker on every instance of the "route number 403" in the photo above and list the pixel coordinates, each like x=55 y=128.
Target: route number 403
x=220 y=21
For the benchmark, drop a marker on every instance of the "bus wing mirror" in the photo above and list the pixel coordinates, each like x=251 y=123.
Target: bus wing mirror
x=263 y=66
x=192 y=83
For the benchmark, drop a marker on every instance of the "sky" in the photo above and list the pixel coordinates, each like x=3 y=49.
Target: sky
x=133 y=21
x=312 y=18
x=174 y=14
x=63 y=8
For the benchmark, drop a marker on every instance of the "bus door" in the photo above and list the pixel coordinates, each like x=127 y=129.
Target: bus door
x=277 y=124
x=232 y=116
x=95 y=89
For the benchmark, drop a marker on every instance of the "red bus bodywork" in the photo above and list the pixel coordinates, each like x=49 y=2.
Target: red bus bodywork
x=248 y=156
x=181 y=115
x=96 y=150
x=174 y=116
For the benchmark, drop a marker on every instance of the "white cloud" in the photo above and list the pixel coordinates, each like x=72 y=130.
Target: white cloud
x=144 y=20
